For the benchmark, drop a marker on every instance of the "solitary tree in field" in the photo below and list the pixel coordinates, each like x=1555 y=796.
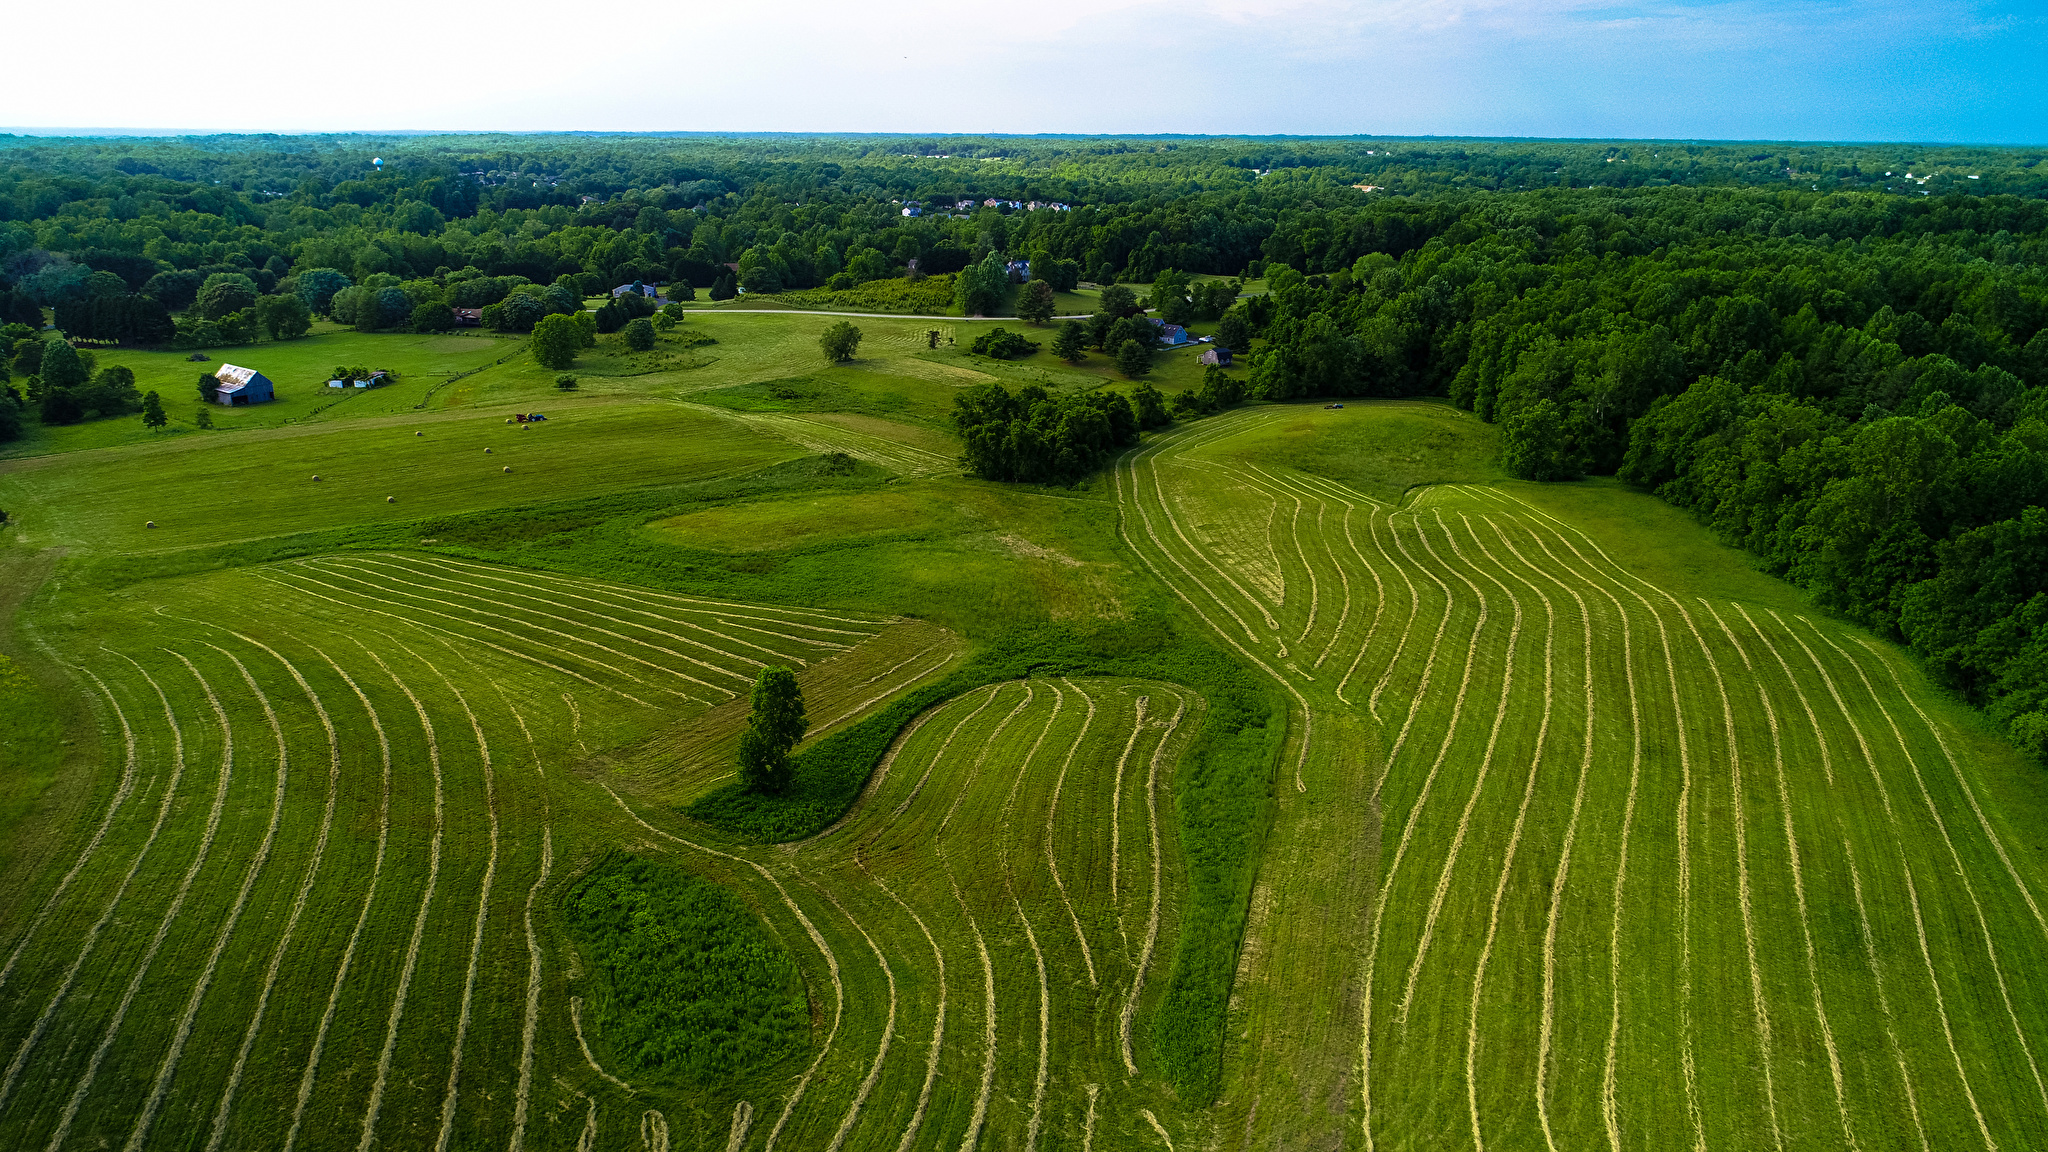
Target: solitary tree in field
x=153 y=411
x=776 y=725
x=1035 y=302
x=556 y=340
x=1068 y=342
x=1133 y=359
x=204 y=418
x=638 y=334
x=840 y=342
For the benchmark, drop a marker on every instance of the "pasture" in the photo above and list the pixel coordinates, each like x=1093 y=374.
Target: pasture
x=1580 y=834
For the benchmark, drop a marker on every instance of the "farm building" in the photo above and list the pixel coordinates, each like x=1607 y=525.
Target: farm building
x=1218 y=355
x=240 y=386
x=468 y=317
x=1171 y=335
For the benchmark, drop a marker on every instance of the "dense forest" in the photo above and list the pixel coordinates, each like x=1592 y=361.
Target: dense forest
x=1836 y=355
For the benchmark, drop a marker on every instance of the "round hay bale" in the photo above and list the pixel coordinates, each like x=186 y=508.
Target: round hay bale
x=508 y=467
x=419 y=433
x=149 y=524
x=487 y=451
x=316 y=479
x=391 y=499
x=526 y=427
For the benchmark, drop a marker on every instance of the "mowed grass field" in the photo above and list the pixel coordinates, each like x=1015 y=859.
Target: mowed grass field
x=1585 y=835
x=1628 y=848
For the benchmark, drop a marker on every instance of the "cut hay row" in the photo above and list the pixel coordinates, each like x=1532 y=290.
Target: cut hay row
x=1507 y=863
x=988 y=1033
x=742 y=1121
x=1116 y=805
x=122 y=791
x=653 y=1131
x=227 y=1098
x=412 y=623
x=1436 y=647
x=1955 y=859
x=1315 y=596
x=375 y=1104
x=1683 y=828
x=92 y=934
x=499 y=584
x=1609 y=1103
x=1152 y=915
x=1912 y=889
x=867 y=1085
x=589 y=1057
x=483 y=908
x=988 y=698
x=1128 y=463
x=1157 y=1127
x=530 y=1024
x=168 y=1067
x=630 y=598
x=1401 y=846
x=508 y=593
x=1996 y=841
x=414 y=600
x=1548 y=1024
x=1500 y=714
x=348 y=951
x=931 y=1060
x=893 y=689
x=1051 y=821
x=1827 y=1032
x=1760 y=1011
x=1059 y=701
x=817 y=940
x=1145 y=513
x=1324 y=492
x=1166 y=511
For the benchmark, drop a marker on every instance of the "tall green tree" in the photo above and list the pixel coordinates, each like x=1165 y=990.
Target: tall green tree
x=638 y=334
x=1070 y=341
x=1133 y=359
x=840 y=342
x=225 y=292
x=556 y=340
x=1035 y=303
x=317 y=286
x=778 y=722
x=153 y=412
x=62 y=366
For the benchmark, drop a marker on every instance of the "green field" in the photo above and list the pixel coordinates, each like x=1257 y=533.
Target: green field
x=1581 y=833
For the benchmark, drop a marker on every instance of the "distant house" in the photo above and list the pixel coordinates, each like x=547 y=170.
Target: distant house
x=913 y=210
x=1171 y=335
x=1218 y=355
x=468 y=317
x=239 y=386
x=647 y=290
x=1019 y=270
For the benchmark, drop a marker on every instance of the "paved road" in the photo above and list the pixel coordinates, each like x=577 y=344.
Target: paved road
x=859 y=315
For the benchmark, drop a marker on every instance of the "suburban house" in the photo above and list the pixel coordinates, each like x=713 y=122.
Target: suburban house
x=1218 y=355
x=468 y=317
x=240 y=386
x=647 y=290
x=1171 y=335
x=913 y=210
x=1019 y=270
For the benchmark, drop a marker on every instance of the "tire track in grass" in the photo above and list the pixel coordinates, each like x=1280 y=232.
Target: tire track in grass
x=227 y=1099
x=369 y=895
x=1507 y=864
x=419 y=923
x=341 y=572
x=1827 y=1032
x=495 y=575
x=92 y=934
x=1547 y=1029
x=1051 y=818
x=810 y=929
x=1152 y=917
x=373 y=565
x=122 y=791
x=1912 y=889
x=1128 y=462
x=1683 y=823
x=168 y=1067
x=1500 y=714
x=1955 y=859
x=483 y=908
x=425 y=627
x=1386 y=893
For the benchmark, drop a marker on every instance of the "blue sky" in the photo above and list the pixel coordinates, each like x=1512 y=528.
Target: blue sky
x=1936 y=70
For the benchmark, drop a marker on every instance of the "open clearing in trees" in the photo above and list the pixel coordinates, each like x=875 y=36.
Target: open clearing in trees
x=1582 y=836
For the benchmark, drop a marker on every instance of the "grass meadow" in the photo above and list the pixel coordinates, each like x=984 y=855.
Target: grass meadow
x=1301 y=781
